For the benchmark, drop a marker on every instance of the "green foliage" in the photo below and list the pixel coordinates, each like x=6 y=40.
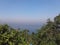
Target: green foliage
x=48 y=34
x=12 y=37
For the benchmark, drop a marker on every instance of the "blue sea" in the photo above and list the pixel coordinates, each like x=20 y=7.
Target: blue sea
x=32 y=27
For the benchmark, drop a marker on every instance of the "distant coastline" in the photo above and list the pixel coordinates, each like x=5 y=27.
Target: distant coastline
x=30 y=27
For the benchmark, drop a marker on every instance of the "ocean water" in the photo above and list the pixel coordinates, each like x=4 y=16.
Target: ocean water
x=30 y=27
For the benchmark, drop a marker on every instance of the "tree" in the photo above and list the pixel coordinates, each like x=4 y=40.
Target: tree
x=12 y=36
x=48 y=34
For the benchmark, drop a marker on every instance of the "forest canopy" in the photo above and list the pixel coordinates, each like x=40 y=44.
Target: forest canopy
x=49 y=34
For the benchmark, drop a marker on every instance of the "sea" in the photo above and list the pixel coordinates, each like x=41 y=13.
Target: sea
x=32 y=27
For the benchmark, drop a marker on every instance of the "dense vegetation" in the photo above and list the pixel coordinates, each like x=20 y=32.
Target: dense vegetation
x=49 y=34
x=10 y=36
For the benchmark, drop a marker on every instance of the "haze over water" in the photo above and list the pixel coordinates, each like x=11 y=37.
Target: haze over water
x=28 y=13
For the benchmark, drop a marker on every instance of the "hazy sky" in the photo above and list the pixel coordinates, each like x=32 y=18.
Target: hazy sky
x=28 y=10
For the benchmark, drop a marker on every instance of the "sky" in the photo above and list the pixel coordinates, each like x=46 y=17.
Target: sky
x=28 y=10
